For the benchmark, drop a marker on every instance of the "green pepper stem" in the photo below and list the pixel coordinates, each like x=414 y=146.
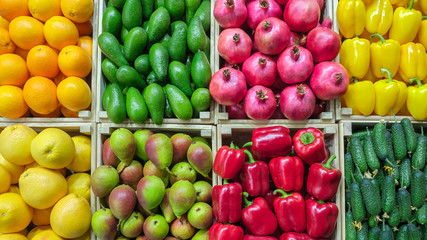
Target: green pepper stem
x=418 y=81
x=307 y=138
x=251 y=158
x=355 y=80
x=282 y=192
x=378 y=35
x=225 y=181
x=232 y=145
x=411 y=5
x=390 y=78
x=320 y=201
x=245 y=199
x=424 y=17
x=328 y=163
x=248 y=144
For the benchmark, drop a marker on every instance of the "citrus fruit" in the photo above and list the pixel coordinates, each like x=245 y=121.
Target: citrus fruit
x=68 y=113
x=26 y=32
x=14 y=189
x=43 y=61
x=5 y=179
x=12 y=103
x=59 y=78
x=81 y=161
x=77 y=10
x=79 y=183
x=74 y=93
x=74 y=61
x=41 y=216
x=85 y=236
x=15 y=144
x=22 y=53
x=41 y=187
x=60 y=32
x=14 y=170
x=47 y=235
x=6 y=44
x=40 y=95
x=71 y=216
x=85 y=29
x=85 y=42
x=13 y=70
x=56 y=113
x=62 y=171
x=4 y=23
x=11 y=9
x=12 y=236
x=37 y=230
x=53 y=148
x=44 y=9
x=15 y=214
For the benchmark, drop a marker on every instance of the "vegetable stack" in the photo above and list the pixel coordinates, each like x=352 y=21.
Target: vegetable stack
x=250 y=205
x=386 y=183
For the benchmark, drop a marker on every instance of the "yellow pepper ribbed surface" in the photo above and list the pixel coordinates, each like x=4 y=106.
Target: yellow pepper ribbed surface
x=379 y=16
x=422 y=33
x=401 y=99
x=412 y=61
x=417 y=100
x=406 y=22
x=384 y=54
x=386 y=94
x=423 y=5
x=355 y=56
x=361 y=97
x=351 y=17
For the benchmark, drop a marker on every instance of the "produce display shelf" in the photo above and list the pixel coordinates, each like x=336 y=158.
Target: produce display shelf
x=205 y=117
x=240 y=134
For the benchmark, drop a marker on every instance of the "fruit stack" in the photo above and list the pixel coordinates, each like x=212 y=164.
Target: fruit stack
x=45 y=57
x=45 y=184
x=165 y=192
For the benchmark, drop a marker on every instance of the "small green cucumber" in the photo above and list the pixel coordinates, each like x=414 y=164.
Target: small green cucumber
x=417 y=188
x=374 y=233
x=357 y=205
x=411 y=138
x=348 y=169
x=373 y=222
x=399 y=141
x=386 y=233
x=413 y=232
x=388 y=194
x=370 y=196
x=363 y=234
x=390 y=163
x=358 y=155
x=394 y=217
x=350 y=230
x=403 y=233
x=404 y=202
x=421 y=214
x=405 y=170
x=419 y=156
x=370 y=155
x=379 y=141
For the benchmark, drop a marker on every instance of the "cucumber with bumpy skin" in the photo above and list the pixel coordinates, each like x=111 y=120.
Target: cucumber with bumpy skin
x=371 y=197
x=370 y=155
x=386 y=233
x=417 y=188
x=374 y=233
x=405 y=170
x=394 y=217
x=379 y=141
x=390 y=162
x=348 y=169
x=413 y=232
x=421 y=214
x=357 y=153
x=404 y=202
x=388 y=194
x=399 y=141
x=350 y=230
x=357 y=206
x=363 y=234
x=403 y=233
x=411 y=138
x=419 y=156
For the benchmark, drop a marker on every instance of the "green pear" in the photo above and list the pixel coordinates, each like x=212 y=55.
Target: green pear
x=156 y=227
x=104 y=224
x=200 y=139
x=159 y=150
x=182 y=171
x=103 y=180
x=181 y=197
x=201 y=235
x=123 y=144
x=141 y=137
x=203 y=191
x=200 y=215
x=132 y=226
x=166 y=207
x=150 y=191
x=151 y=169
x=181 y=228
x=199 y=155
x=180 y=142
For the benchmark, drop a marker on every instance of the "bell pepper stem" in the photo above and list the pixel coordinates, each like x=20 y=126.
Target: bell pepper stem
x=249 y=154
x=225 y=181
x=378 y=35
x=248 y=144
x=417 y=80
x=232 y=145
x=307 y=138
x=411 y=5
x=245 y=199
x=355 y=80
x=424 y=17
x=282 y=192
x=390 y=78
x=328 y=163
x=320 y=201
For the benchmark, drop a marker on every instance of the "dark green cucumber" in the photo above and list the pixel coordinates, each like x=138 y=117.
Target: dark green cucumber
x=379 y=178
x=404 y=202
x=374 y=233
x=116 y=107
x=350 y=230
x=417 y=188
x=373 y=222
x=370 y=196
x=358 y=176
x=405 y=170
x=413 y=232
x=403 y=233
x=411 y=138
x=386 y=233
x=377 y=184
x=421 y=214
x=394 y=217
x=370 y=155
x=362 y=134
x=363 y=234
x=419 y=156
x=388 y=193
x=390 y=162
x=399 y=141
x=357 y=205
x=348 y=169
x=379 y=141
x=358 y=155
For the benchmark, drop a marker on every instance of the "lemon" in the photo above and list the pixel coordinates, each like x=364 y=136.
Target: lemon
x=53 y=148
x=37 y=230
x=71 y=216
x=15 y=144
x=47 y=235
x=14 y=170
x=79 y=183
x=41 y=216
x=12 y=236
x=5 y=179
x=41 y=187
x=81 y=161
x=14 y=189
x=15 y=214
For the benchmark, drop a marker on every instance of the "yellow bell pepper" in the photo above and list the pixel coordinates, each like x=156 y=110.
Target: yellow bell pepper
x=412 y=61
x=399 y=3
x=362 y=97
x=351 y=17
x=401 y=99
x=355 y=56
x=417 y=100
x=384 y=54
x=370 y=76
x=386 y=94
x=422 y=32
x=379 y=16
x=406 y=23
x=423 y=6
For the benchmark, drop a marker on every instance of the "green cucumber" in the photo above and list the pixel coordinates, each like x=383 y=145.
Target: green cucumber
x=379 y=178
x=421 y=214
x=363 y=234
x=374 y=233
x=399 y=141
x=350 y=230
x=394 y=217
x=370 y=196
x=419 y=156
x=404 y=202
x=411 y=138
x=348 y=169
x=358 y=155
x=413 y=232
x=379 y=141
x=357 y=205
x=370 y=155
x=405 y=170
x=388 y=194
x=386 y=233
x=417 y=188
x=373 y=222
x=390 y=161
x=358 y=176
x=362 y=134
x=403 y=233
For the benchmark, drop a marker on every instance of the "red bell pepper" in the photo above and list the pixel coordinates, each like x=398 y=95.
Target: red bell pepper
x=229 y=161
x=297 y=236
x=290 y=211
x=321 y=218
x=257 y=217
x=309 y=144
x=251 y=237
x=255 y=177
x=287 y=173
x=323 y=180
x=269 y=197
x=220 y=231
x=270 y=142
x=227 y=202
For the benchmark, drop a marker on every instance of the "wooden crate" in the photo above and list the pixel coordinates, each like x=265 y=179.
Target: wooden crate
x=206 y=117
x=240 y=134
x=221 y=115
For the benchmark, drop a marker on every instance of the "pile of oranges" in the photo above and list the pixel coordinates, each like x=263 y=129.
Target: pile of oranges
x=45 y=57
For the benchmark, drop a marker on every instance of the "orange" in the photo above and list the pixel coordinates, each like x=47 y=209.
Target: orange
x=59 y=78
x=13 y=70
x=60 y=32
x=85 y=42
x=56 y=113
x=85 y=29
x=74 y=61
x=12 y=103
x=4 y=23
x=21 y=52
x=11 y=9
x=6 y=44
x=26 y=32
x=68 y=113
x=77 y=10
x=74 y=93
x=43 y=61
x=40 y=95
x=44 y=9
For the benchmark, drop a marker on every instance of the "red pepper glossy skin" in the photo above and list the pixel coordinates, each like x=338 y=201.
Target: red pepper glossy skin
x=255 y=177
x=287 y=173
x=271 y=142
x=257 y=217
x=251 y=237
x=220 y=231
x=309 y=144
x=229 y=161
x=323 y=180
x=269 y=197
x=297 y=236
x=227 y=202
x=321 y=218
x=290 y=211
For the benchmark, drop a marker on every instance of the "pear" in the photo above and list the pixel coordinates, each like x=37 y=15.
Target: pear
x=181 y=197
x=159 y=150
x=132 y=226
x=182 y=171
x=203 y=191
x=108 y=156
x=180 y=142
x=104 y=224
x=151 y=169
x=182 y=229
x=200 y=215
x=123 y=145
x=199 y=155
x=104 y=179
x=141 y=137
x=131 y=174
x=166 y=207
x=201 y=235
x=122 y=201
x=150 y=192
x=156 y=227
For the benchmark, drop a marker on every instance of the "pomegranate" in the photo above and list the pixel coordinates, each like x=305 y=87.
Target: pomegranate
x=235 y=66
x=282 y=2
x=259 y=103
x=230 y=13
x=301 y=15
x=323 y=43
x=260 y=69
x=228 y=86
x=297 y=39
x=259 y=10
x=329 y=80
x=272 y=35
x=234 y=45
x=297 y=102
x=236 y=112
x=295 y=65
